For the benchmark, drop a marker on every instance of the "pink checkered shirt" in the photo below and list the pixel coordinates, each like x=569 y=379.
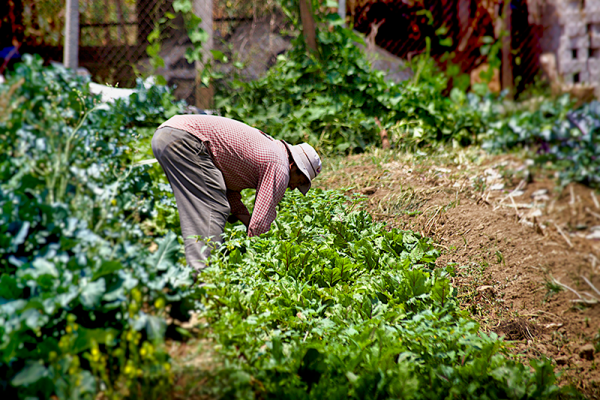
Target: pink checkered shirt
x=248 y=159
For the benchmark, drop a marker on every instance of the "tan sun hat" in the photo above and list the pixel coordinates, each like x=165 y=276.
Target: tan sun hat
x=308 y=162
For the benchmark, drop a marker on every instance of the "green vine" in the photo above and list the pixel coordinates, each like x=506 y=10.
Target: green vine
x=191 y=24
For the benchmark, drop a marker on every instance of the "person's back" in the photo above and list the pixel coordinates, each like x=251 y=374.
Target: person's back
x=209 y=160
x=238 y=150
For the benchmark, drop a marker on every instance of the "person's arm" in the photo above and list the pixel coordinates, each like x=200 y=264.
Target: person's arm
x=269 y=193
x=238 y=209
x=245 y=219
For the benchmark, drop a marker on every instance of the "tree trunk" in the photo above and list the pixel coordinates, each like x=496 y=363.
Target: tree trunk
x=204 y=10
x=71 y=46
x=308 y=25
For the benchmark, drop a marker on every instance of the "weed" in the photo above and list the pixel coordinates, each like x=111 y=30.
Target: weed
x=552 y=287
x=499 y=258
x=479 y=184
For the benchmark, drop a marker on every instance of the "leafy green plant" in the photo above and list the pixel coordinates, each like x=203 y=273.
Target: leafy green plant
x=196 y=35
x=83 y=302
x=557 y=134
x=330 y=304
x=334 y=100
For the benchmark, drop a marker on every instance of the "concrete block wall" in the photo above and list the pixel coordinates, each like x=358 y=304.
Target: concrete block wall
x=577 y=42
x=594 y=29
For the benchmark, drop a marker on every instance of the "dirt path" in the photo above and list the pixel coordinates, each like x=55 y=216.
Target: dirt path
x=527 y=254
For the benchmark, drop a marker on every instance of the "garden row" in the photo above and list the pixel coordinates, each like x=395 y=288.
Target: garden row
x=330 y=304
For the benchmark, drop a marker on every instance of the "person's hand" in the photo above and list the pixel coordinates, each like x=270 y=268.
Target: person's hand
x=245 y=219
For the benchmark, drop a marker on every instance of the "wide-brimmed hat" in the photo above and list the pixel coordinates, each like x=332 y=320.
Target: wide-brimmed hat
x=308 y=162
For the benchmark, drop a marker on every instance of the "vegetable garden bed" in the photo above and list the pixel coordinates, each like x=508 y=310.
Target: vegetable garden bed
x=328 y=303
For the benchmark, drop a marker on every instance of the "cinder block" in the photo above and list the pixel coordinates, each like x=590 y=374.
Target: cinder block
x=568 y=5
x=592 y=16
x=564 y=54
x=566 y=17
x=575 y=28
x=583 y=77
x=591 y=6
x=594 y=35
x=595 y=79
x=572 y=66
x=594 y=67
x=594 y=54
x=572 y=54
x=569 y=10
x=574 y=42
x=592 y=3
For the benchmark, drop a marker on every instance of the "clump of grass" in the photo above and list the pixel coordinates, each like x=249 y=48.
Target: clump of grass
x=552 y=287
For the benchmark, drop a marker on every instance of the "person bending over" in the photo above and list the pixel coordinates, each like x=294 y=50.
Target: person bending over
x=208 y=160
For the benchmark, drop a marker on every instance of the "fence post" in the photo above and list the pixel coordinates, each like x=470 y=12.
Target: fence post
x=204 y=95
x=342 y=10
x=507 y=68
x=71 y=45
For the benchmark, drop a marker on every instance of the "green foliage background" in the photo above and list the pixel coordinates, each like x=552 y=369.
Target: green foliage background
x=332 y=99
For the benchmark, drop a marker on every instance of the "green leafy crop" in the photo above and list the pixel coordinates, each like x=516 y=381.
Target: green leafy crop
x=330 y=304
x=567 y=138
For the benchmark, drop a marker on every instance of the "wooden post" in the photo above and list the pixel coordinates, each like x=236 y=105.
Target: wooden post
x=71 y=45
x=342 y=10
x=308 y=25
x=507 y=69
x=204 y=95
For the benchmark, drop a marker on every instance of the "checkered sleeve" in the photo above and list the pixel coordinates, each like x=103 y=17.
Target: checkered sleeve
x=236 y=204
x=269 y=193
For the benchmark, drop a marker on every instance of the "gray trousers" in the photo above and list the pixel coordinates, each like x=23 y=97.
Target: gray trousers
x=199 y=190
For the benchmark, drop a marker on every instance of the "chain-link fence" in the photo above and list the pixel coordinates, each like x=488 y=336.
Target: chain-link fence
x=114 y=35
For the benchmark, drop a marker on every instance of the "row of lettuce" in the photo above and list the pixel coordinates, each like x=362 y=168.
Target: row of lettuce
x=330 y=304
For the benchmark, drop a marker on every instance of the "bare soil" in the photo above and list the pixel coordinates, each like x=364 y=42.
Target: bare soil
x=526 y=250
